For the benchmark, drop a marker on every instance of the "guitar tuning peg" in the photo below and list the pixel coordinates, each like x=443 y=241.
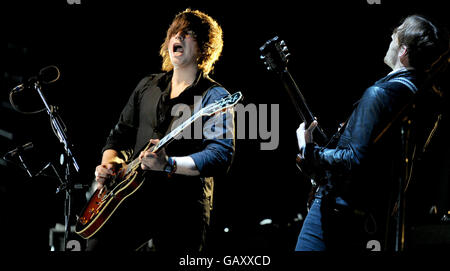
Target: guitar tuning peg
x=282 y=43
x=269 y=68
x=262 y=57
x=285 y=49
x=288 y=54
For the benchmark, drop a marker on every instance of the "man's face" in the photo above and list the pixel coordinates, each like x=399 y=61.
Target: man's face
x=183 y=49
x=391 y=57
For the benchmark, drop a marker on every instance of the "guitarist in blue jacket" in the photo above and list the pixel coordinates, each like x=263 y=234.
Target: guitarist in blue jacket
x=350 y=206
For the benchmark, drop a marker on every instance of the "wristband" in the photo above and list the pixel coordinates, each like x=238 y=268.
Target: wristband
x=170 y=167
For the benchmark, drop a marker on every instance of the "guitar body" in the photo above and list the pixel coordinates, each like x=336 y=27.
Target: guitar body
x=104 y=203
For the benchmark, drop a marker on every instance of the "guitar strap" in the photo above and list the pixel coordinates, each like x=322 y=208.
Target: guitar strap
x=406 y=82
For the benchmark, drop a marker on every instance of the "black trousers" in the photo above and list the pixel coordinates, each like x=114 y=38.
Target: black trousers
x=174 y=216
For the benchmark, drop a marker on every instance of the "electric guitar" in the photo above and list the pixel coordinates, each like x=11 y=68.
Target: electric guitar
x=275 y=55
x=104 y=202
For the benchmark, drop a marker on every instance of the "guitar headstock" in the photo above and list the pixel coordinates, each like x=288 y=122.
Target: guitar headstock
x=275 y=54
x=222 y=104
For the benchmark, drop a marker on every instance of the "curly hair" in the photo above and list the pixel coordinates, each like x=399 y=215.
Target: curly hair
x=424 y=40
x=207 y=33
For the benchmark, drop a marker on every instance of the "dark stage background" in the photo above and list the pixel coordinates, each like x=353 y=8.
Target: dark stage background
x=103 y=49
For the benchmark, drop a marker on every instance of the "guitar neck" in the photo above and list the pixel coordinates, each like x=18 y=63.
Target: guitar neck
x=275 y=55
x=299 y=102
x=166 y=139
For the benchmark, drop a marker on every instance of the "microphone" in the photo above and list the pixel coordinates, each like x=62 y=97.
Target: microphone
x=24 y=147
x=46 y=75
x=18 y=88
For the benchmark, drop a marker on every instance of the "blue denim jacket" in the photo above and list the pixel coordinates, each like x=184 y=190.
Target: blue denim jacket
x=360 y=165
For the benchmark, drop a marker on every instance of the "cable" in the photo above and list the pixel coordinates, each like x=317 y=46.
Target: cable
x=11 y=101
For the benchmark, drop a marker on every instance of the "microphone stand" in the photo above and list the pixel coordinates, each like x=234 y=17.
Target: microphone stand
x=69 y=161
x=24 y=165
x=399 y=245
x=18 y=152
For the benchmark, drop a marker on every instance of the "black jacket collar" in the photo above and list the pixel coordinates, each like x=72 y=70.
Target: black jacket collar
x=201 y=83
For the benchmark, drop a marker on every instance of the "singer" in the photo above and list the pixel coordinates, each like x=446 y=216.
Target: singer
x=173 y=206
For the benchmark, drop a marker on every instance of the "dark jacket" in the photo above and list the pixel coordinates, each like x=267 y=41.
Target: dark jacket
x=365 y=164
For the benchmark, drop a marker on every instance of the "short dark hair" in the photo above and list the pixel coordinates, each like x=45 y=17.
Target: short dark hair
x=424 y=40
x=207 y=33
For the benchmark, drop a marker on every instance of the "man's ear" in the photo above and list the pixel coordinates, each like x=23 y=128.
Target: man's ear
x=403 y=55
x=403 y=52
